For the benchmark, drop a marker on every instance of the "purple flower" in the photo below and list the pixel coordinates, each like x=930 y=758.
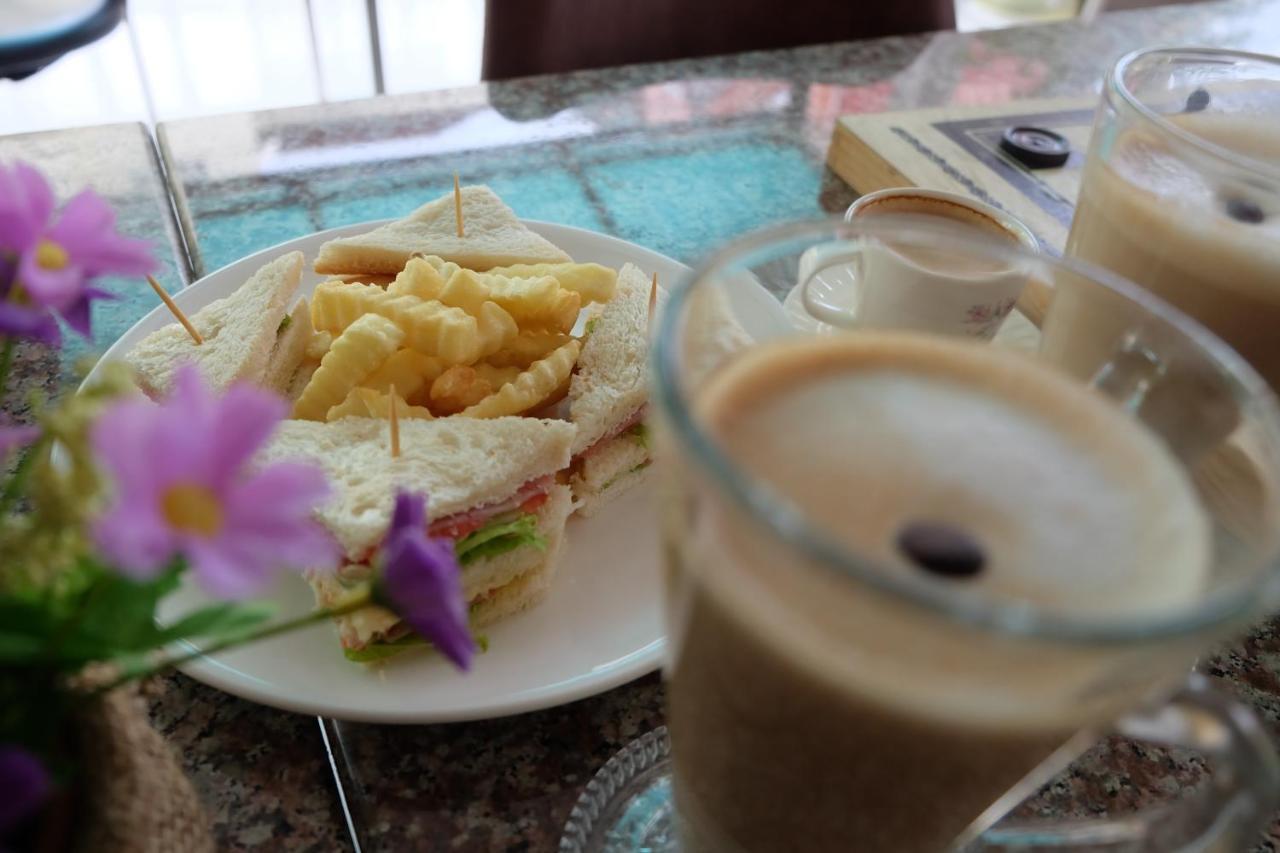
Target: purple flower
x=47 y=261
x=183 y=486
x=13 y=437
x=420 y=581
x=25 y=784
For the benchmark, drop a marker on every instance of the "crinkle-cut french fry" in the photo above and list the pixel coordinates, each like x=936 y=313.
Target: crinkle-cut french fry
x=355 y=354
x=407 y=369
x=593 y=282
x=531 y=387
x=445 y=268
x=465 y=290
x=536 y=302
x=536 y=299
x=496 y=328
x=418 y=278
x=318 y=345
x=336 y=305
x=526 y=348
x=496 y=376
x=456 y=389
x=430 y=327
x=368 y=403
x=368 y=278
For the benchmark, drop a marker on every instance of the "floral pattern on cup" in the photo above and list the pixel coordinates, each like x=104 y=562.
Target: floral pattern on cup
x=982 y=320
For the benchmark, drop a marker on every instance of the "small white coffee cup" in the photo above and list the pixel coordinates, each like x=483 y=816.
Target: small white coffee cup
x=864 y=284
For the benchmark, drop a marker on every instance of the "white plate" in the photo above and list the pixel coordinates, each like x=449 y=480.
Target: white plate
x=600 y=625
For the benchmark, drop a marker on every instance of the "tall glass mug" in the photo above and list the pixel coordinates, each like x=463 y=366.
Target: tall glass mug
x=1181 y=194
x=910 y=577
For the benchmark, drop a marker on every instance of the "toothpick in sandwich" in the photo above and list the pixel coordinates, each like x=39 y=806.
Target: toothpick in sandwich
x=457 y=204
x=394 y=420
x=653 y=296
x=175 y=310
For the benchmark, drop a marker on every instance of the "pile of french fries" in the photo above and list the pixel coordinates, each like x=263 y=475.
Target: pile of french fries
x=443 y=341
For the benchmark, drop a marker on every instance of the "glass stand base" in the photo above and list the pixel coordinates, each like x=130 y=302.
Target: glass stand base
x=627 y=806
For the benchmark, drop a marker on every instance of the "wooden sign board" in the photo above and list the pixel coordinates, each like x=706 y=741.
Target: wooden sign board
x=958 y=150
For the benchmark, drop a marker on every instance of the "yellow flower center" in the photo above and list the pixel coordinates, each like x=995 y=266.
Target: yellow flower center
x=51 y=256
x=193 y=508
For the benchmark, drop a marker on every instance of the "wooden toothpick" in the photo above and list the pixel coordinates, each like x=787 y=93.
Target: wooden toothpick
x=394 y=418
x=653 y=296
x=175 y=310
x=457 y=204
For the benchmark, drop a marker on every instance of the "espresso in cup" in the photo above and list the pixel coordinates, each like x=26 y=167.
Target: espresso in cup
x=809 y=709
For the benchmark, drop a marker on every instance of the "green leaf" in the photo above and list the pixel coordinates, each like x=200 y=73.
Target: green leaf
x=111 y=617
x=224 y=620
x=499 y=536
x=383 y=649
x=640 y=435
x=616 y=477
x=25 y=627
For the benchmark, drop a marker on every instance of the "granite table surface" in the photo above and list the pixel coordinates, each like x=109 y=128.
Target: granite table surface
x=678 y=157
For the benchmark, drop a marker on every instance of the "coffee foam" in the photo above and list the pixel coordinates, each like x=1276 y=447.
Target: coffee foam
x=947 y=214
x=1081 y=513
x=905 y=205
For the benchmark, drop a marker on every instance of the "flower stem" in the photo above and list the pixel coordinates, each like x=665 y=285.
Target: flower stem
x=13 y=489
x=351 y=604
x=6 y=361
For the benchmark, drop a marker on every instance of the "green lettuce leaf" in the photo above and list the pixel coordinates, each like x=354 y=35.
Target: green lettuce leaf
x=384 y=649
x=614 y=479
x=500 y=535
x=640 y=435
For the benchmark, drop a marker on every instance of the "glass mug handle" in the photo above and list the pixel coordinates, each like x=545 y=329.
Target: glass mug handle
x=1227 y=814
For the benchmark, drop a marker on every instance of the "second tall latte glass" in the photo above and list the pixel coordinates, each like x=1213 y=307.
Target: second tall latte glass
x=911 y=577
x=1181 y=193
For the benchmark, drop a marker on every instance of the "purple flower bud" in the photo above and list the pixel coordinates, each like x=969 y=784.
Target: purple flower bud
x=25 y=784
x=421 y=581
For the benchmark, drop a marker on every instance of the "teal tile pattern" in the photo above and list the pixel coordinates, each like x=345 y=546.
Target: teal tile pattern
x=227 y=237
x=686 y=204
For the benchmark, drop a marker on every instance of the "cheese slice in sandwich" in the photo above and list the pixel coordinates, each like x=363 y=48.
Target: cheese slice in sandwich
x=491 y=490
x=240 y=332
x=609 y=395
x=493 y=237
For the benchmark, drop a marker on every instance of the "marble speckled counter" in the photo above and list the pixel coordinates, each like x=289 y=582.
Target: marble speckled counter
x=677 y=157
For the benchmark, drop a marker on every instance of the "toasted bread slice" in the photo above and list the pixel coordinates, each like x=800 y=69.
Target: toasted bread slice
x=611 y=381
x=493 y=237
x=239 y=333
x=460 y=463
x=495 y=588
x=290 y=349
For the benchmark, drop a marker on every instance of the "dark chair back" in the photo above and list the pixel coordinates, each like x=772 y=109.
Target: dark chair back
x=524 y=37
